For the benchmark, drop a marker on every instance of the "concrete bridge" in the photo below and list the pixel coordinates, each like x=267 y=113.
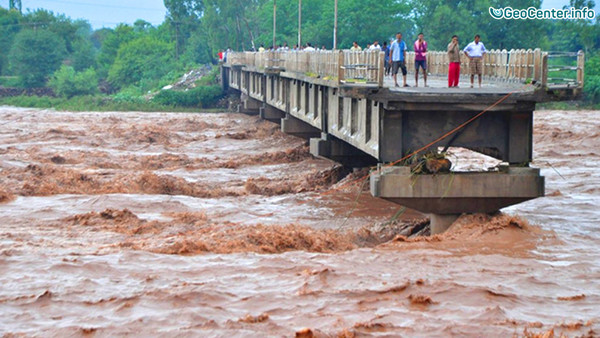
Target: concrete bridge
x=352 y=114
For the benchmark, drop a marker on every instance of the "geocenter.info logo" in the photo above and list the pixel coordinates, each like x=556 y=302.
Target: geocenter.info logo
x=533 y=13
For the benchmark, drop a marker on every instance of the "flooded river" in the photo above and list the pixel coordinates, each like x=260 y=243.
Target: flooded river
x=220 y=225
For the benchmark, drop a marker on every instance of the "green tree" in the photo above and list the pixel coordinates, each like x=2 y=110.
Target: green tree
x=15 y=4
x=9 y=27
x=59 y=24
x=35 y=55
x=183 y=18
x=111 y=42
x=144 y=58
x=440 y=19
x=83 y=56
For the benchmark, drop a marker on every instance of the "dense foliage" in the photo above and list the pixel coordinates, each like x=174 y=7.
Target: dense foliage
x=35 y=55
x=68 y=82
x=196 y=97
x=141 y=57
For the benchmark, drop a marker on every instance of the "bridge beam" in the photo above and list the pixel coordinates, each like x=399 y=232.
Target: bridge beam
x=270 y=113
x=337 y=150
x=293 y=126
x=249 y=105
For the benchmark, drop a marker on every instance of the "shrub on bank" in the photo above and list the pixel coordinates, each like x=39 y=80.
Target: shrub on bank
x=592 y=79
x=68 y=83
x=201 y=97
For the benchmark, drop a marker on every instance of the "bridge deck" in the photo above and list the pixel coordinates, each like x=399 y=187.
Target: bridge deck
x=439 y=85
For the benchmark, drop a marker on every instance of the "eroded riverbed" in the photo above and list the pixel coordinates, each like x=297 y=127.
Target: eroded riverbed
x=218 y=224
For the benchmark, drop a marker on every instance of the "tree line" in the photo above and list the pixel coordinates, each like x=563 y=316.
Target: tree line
x=40 y=47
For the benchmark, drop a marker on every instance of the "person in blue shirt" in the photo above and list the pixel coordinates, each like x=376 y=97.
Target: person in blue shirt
x=386 y=50
x=398 y=58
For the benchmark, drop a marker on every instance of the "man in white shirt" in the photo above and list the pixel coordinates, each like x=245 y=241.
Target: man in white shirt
x=375 y=46
x=475 y=52
x=309 y=47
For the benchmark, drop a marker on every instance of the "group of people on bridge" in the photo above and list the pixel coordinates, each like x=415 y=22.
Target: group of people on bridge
x=395 y=57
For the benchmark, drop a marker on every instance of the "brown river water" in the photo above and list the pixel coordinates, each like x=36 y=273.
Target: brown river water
x=170 y=224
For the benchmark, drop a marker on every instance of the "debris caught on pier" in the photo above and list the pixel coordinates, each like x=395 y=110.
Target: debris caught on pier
x=432 y=162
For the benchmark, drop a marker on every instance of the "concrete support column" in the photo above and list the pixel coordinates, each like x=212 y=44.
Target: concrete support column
x=249 y=105
x=271 y=113
x=332 y=148
x=224 y=78
x=293 y=126
x=440 y=223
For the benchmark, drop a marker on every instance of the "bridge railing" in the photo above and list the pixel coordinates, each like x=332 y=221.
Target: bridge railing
x=367 y=67
x=565 y=69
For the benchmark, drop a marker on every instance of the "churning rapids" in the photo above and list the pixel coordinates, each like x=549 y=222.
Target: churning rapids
x=220 y=225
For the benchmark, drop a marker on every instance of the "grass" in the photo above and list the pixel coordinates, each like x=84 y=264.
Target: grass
x=92 y=103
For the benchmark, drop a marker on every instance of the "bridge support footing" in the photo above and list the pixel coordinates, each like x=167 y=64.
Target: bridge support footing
x=440 y=223
x=270 y=113
x=293 y=126
x=334 y=149
x=446 y=196
x=249 y=105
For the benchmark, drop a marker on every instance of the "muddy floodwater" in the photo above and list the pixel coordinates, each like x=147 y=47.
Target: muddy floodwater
x=160 y=224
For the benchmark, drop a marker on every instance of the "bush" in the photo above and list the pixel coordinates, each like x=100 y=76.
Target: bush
x=592 y=79
x=68 y=83
x=592 y=88
x=204 y=96
x=129 y=95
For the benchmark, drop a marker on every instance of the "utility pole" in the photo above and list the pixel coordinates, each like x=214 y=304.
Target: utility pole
x=176 y=40
x=299 y=23
x=335 y=25
x=274 y=21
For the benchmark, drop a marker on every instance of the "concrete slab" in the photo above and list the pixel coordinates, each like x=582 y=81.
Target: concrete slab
x=458 y=192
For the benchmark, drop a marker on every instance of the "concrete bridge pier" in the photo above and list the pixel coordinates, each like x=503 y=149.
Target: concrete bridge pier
x=440 y=223
x=271 y=113
x=330 y=147
x=294 y=126
x=249 y=105
x=446 y=196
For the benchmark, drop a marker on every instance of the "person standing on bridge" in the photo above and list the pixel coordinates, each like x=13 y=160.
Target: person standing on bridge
x=475 y=52
x=375 y=46
x=309 y=47
x=420 y=59
x=355 y=47
x=397 y=59
x=386 y=50
x=454 y=65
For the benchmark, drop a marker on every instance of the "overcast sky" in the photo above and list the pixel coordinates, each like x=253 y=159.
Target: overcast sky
x=102 y=13
x=108 y=13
